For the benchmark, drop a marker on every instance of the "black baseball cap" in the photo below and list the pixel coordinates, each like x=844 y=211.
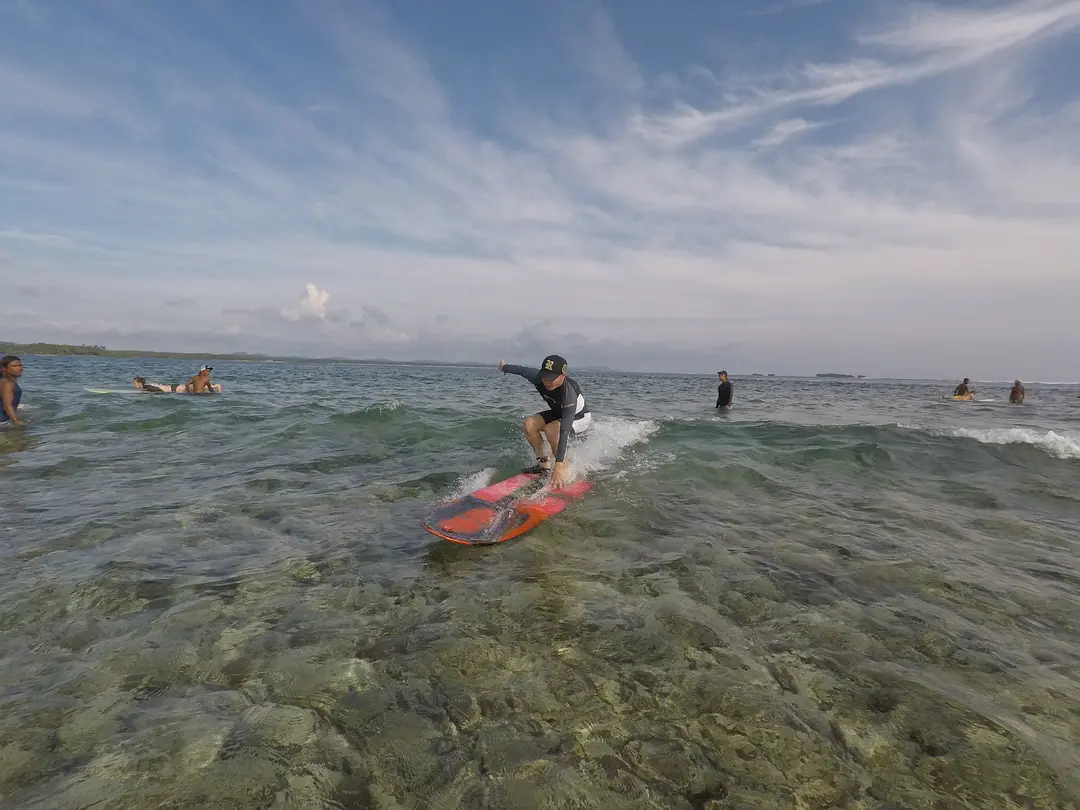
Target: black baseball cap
x=552 y=367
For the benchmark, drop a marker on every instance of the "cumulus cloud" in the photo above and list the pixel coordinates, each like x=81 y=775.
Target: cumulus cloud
x=313 y=301
x=311 y=306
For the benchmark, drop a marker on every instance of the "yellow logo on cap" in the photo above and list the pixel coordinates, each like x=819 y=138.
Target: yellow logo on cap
x=548 y=364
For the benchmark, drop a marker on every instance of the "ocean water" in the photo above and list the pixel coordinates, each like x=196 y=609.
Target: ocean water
x=841 y=594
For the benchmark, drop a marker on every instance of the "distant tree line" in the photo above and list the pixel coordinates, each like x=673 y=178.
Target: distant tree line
x=67 y=350
x=51 y=348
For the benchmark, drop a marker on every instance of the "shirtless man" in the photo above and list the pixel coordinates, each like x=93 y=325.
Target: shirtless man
x=1016 y=395
x=964 y=389
x=199 y=384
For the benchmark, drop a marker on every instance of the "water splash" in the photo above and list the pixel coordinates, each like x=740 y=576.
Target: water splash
x=605 y=443
x=469 y=483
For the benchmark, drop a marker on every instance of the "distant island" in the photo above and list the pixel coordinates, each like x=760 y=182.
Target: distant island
x=66 y=350
x=69 y=350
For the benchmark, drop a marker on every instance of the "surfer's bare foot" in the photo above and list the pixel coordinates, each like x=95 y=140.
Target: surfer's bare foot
x=542 y=465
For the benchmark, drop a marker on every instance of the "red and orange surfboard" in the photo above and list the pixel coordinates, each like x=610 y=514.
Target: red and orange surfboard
x=500 y=511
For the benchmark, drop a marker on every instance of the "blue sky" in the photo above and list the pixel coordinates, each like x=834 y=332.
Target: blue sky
x=791 y=186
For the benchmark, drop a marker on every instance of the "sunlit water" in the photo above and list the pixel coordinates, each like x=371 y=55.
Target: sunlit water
x=839 y=594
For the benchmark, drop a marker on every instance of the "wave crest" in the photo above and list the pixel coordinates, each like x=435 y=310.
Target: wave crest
x=1059 y=445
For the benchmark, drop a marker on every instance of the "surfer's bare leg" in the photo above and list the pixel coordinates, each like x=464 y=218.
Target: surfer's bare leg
x=552 y=432
x=534 y=432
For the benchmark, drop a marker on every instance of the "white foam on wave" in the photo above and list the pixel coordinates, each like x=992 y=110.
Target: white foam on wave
x=1060 y=445
x=605 y=443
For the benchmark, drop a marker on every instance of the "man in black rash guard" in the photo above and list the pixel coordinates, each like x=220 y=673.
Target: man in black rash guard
x=723 y=391
x=568 y=415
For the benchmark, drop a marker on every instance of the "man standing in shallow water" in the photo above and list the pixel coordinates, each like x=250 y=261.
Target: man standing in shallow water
x=11 y=368
x=723 y=391
x=1016 y=395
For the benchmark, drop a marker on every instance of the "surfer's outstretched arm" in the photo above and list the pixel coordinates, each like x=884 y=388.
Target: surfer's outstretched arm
x=530 y=374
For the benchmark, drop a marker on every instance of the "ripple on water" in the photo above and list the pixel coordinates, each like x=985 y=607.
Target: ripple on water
x=739 y=616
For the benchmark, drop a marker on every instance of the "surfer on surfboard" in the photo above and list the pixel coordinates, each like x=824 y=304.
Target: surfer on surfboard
x=568 y=414
x=199 y=384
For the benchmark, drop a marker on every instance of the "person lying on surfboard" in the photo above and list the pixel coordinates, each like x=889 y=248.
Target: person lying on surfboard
x=153 y=388
x=202 y=380
x=568 y=415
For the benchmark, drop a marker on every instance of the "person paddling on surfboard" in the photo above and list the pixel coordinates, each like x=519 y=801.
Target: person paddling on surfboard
x=180 y=388
x=962 y=389
x=568 y=415
x=141 y=384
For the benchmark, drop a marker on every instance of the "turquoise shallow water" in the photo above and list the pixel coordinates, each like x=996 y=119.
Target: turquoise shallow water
x=839 y=594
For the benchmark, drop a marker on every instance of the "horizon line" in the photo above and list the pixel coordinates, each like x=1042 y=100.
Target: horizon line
x=249 y=357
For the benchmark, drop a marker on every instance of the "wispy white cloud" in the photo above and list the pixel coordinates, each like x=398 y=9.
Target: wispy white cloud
x=904 y=184
x=761 y=10
x=377 y=315
x=31 y=237
x=785 y=131
x=591 y=36
x=964 y=34
x=923 y=42
x=22 y=93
